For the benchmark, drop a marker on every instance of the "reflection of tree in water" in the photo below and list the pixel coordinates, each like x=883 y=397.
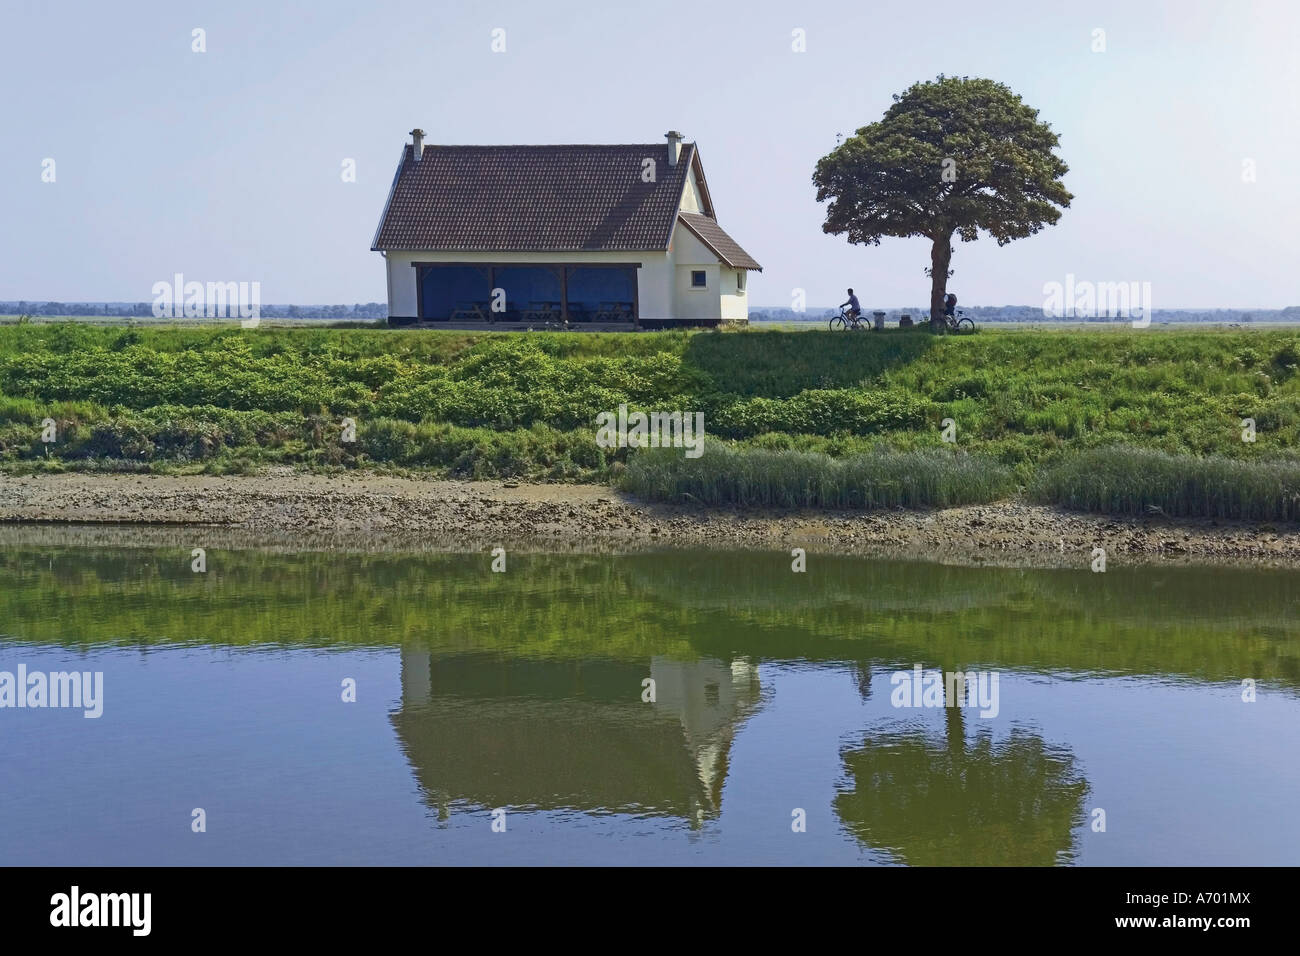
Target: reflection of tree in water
x=933 y=801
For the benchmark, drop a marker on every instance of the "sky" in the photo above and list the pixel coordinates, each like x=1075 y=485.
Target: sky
x=227 y=165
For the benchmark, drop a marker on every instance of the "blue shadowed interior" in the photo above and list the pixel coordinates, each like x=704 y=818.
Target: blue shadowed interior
x=443 y=289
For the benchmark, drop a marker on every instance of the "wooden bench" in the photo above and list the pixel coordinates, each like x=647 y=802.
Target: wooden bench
x=471 y=310
x=614 y=312
x=548 y=312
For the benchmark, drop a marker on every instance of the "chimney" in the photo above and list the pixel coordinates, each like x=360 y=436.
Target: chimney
x=674 y=146
x=417 y=137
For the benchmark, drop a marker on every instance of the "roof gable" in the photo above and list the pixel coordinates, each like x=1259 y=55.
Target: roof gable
x=535 y=198
x=707 y=230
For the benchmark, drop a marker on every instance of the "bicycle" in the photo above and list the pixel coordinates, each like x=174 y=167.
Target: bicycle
x=847 y=320
x=957 y=323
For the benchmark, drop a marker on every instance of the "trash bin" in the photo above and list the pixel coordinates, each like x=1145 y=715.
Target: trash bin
x=880 y=319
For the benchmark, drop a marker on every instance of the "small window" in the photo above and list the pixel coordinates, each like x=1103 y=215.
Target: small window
x=697 y=279
x=740 y=281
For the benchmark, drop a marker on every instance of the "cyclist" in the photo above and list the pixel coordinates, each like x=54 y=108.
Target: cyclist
x=855 y=310
x=950 y=306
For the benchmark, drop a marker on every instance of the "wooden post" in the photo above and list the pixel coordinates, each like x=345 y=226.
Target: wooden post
x=564 y=294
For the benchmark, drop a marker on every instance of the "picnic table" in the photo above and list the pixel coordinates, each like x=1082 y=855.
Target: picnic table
x=543 y=311
x=615 y=312
x=479 y=311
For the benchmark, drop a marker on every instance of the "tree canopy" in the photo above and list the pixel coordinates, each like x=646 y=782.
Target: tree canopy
x=952 y=156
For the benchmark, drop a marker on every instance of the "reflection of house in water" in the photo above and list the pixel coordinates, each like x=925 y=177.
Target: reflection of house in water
x=505 y=732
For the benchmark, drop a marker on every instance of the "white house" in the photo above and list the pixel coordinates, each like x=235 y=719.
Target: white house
x=536 y=234
x=500 y=731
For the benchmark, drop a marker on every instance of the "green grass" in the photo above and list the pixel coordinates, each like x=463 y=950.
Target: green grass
x=507 y=404
x=1135 y=481
x=752 y=477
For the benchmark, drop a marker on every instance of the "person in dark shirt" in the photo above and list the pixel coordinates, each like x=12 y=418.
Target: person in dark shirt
x=950 y=305
x=855 y=310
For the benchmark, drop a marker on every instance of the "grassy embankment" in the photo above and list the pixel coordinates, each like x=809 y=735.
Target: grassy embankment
x=793 y=417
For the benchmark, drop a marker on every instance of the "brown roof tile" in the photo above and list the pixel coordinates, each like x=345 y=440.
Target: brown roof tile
x=723 y=246
x=534 y=198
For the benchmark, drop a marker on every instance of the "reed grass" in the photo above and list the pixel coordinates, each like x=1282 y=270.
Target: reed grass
x=1135 y=481
x=755 y=477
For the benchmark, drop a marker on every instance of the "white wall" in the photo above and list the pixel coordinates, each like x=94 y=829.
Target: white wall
x=691 y=194
x=693 y=303
x=654 y=278
x=719 y=298
x=735 y=300
x=403 y=300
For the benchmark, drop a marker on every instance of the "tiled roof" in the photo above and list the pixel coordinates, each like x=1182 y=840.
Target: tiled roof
x=534 y=199
x=723 y=246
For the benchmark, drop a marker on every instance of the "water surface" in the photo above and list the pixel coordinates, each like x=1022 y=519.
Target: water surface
x=774 y=703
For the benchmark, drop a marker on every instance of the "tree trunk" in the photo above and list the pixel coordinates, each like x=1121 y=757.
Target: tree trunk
x=940 y=256
x=953 y=718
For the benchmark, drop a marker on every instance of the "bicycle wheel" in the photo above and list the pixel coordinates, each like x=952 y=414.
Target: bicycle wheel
x=837 y=322
x=965 y=326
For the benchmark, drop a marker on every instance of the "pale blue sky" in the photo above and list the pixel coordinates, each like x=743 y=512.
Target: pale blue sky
x=226 y=165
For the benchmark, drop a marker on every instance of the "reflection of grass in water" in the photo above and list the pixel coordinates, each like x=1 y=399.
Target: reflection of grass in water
x=935 y=802
x=1206 y=624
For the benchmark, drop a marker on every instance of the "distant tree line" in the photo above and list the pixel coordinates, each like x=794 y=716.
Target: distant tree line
x=1028 y=313
x=126 y=310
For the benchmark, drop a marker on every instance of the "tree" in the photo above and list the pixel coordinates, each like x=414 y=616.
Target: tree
x=950 y=157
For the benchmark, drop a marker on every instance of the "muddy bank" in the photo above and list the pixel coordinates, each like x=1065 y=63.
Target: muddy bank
x=368 y=511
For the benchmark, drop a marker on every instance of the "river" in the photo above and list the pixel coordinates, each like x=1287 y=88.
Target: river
x=654 y=707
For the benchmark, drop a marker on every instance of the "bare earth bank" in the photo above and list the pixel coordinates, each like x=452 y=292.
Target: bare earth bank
x=363 y=511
